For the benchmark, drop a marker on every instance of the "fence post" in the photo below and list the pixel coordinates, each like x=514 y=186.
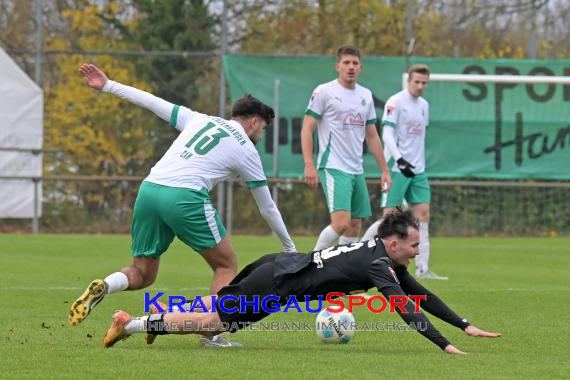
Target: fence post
x=276 y=94
x=36 y=218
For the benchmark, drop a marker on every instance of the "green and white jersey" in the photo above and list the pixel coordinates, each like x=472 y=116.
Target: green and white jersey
x=208 y=150
x=409 y=116
x=342 y=115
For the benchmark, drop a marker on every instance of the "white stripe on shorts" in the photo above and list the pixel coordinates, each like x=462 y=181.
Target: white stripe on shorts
x=330 y=189
x=383 y=200
x=210 y=217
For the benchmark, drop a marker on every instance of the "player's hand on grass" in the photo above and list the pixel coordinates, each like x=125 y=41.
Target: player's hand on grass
x=405 y=167
x=474 y=331
x=311 y=177
x=451 y=349
x=93 y=76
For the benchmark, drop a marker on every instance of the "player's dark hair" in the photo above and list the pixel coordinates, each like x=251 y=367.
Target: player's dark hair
x=397 y=223
x=248 y=106
x=419 y=68
x=347 y=50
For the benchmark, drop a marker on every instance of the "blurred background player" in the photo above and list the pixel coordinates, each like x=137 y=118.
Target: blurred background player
x=343 y=113
x=174 y=199
x=381 y=263
x=405 y=120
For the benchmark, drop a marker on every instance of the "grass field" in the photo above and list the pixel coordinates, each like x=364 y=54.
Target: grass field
x=518 y=286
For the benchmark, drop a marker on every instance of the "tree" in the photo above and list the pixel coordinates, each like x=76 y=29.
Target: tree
x=320 y=27
x=97 y=134
x=175 y=25
x=458 y=28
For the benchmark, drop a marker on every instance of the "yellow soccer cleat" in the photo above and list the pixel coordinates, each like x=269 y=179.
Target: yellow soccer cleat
x=117 y=331
x=81 y=308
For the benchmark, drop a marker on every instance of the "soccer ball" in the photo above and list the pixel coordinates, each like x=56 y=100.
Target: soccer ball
x=335 y=327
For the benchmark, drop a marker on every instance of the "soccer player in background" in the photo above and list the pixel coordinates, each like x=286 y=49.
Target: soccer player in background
x=173 y=200
x=343 y=113
x=405 y=120
x=381 y=262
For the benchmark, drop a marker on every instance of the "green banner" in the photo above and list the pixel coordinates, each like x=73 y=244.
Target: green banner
x=479 y=130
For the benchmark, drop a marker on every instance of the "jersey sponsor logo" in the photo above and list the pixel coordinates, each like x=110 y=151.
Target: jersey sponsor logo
x=414 y=128
x=353 y=120
x=390 y=110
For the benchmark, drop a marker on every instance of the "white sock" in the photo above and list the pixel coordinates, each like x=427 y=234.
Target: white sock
x=136 y=325
x=185 y=308
x=347 y=239
x=371 y=231
x=422 y=259
x=327 y=238
x=116 y=282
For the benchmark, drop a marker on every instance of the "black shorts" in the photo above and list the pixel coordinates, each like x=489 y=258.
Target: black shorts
x=254 y=280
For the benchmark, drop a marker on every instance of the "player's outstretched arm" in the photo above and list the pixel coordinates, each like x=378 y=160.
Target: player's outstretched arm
x=272 y=216
x=251 y=170
x=96 y=78
x=451 y=349
x=474 y=331
x=432 y=304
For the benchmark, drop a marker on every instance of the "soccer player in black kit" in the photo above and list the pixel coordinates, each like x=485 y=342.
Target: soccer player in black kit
x=380 y=263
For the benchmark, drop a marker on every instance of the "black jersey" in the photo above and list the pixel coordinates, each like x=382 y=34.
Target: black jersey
x=360 y=266
x=344 y=268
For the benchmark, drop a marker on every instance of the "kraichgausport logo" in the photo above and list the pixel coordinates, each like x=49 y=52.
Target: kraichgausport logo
x=275 y=304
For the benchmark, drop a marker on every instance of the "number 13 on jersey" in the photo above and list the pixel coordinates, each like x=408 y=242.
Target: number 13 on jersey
x=204 y=141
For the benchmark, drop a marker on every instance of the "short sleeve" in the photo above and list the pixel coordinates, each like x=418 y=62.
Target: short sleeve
x=371 y=112
x=391 y=113
x=181 y=116
x=251 y=171
x=317 y=103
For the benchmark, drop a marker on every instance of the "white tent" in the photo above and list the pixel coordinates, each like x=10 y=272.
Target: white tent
x=21 y=130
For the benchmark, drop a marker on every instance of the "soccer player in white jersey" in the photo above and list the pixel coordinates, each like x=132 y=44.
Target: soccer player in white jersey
x=405 y=120
x=343 y=113
x=174 y=200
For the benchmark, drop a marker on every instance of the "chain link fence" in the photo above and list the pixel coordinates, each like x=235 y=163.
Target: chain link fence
x=458 y=208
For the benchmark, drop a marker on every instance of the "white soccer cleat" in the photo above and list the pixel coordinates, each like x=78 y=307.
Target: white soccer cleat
x=217 y=341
